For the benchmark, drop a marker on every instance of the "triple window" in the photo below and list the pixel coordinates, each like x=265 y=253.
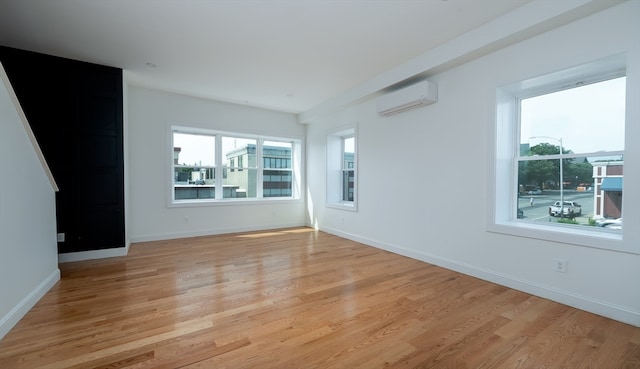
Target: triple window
x=209 y=166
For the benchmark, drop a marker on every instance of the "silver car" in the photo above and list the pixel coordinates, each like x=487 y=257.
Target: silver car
x=611 y=223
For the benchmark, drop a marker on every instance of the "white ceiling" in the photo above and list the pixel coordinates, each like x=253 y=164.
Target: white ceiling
x=286 y=55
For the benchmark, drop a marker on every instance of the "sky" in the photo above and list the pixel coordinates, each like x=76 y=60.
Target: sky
x=589 y=118
x=200 y=149
x=350 y=145
x=195 y=149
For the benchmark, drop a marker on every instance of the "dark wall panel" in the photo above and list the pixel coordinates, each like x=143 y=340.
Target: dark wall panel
x=75 y=111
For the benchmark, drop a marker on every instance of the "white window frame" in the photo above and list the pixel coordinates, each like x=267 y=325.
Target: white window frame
x=335 y=168
x=503 y=174
x=296 y=169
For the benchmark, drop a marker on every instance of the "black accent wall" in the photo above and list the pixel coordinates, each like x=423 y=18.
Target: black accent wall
x=75 y=111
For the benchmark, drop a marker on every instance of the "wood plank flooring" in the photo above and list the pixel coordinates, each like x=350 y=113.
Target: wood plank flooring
x=298 y=298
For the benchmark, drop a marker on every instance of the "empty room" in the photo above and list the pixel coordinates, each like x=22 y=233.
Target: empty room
x=320 y=184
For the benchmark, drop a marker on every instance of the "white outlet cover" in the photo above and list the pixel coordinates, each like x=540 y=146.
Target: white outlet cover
x=560 y=265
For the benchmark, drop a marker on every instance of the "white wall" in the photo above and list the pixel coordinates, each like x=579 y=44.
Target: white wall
x=150 y=116
x=28 y=248
x=431 y=164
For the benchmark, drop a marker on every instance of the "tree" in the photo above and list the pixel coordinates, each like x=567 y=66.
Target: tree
x=541 y=171
x=581 y=172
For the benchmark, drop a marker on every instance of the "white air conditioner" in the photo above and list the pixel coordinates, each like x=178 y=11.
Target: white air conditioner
x=419 y=94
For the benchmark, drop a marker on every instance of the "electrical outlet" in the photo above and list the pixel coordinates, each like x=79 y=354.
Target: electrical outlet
x=560 y=265
x=60 y=237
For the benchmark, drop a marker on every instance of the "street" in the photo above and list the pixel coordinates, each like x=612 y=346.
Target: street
x=540 y=209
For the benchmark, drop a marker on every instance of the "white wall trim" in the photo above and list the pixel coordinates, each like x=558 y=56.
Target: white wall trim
x=211 y=232
x=20 y=310
x=602 y=308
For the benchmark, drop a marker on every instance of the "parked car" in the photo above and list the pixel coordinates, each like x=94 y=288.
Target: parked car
x=614 y=226
x=537 y=191
x=611 y=223
x=570 y=209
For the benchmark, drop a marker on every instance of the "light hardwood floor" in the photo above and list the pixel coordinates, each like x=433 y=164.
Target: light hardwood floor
x=298 y=298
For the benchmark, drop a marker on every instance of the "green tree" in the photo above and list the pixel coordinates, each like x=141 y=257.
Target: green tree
x=541 y=171
x=580 y=172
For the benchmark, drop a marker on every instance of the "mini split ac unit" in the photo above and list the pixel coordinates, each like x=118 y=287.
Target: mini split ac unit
x=419 y=94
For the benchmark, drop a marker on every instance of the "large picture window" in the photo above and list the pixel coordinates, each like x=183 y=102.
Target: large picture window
x=571 y=141
x=559 y=156
x=210 y=166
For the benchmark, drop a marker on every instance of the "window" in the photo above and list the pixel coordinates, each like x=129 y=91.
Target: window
x=567 y=139
x=342 y=169
x=559 y=155
x=277 y=176
x=241 y=176
x=210 y=166
x=194 y=166
x=348 y=168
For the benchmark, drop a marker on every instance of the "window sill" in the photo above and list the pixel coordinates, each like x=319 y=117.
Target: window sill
x=232 y=202
x=342 y=206
x=568 y=234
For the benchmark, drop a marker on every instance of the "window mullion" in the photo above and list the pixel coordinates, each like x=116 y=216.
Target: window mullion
x=173 y=168
x=342 y=186
x=259 y=168
x=219 y=168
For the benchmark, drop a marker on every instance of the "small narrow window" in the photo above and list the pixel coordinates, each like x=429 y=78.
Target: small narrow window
x=342 y=169
x=348 y=168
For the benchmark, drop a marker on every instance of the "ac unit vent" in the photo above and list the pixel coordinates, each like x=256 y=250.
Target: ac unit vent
x=419 y=94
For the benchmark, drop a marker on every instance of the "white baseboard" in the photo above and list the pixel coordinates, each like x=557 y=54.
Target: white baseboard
x=602 y=308
x=13 y=317
x=209 y=232
x=93 y=254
